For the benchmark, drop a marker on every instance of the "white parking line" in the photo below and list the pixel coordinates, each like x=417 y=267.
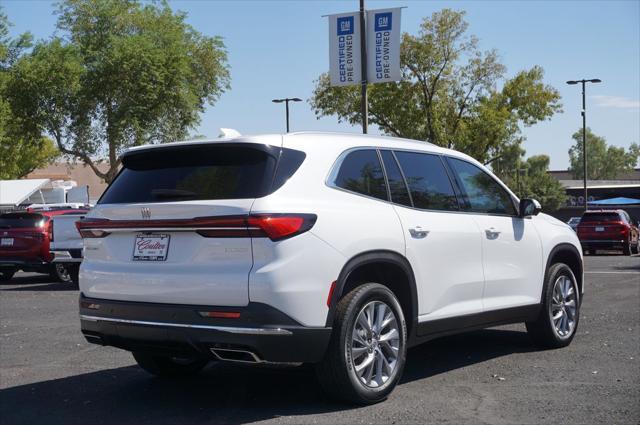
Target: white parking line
x=609 y=272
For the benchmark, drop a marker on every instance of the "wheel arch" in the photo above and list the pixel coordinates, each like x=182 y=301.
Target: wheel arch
x=388 y=268
x=568 y=254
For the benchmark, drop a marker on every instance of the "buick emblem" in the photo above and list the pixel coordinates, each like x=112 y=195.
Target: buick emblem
x=145 y=212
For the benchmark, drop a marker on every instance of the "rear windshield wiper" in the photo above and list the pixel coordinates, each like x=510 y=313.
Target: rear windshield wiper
x=173 y=194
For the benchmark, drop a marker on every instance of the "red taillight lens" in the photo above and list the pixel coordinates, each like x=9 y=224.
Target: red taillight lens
x=280 y=226
x=87 y=228
x=50 y=230
x=93 y=233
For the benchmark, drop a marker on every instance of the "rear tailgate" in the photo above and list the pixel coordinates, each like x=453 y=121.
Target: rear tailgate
x=172 y=226
x=601 y=226
x=65 y=233
x=22 y=236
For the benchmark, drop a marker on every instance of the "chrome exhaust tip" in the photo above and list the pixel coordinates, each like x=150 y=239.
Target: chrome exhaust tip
x=233 y=355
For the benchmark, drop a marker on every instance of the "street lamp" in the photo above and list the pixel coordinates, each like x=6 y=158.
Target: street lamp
x=286 y=101
x=584 y=132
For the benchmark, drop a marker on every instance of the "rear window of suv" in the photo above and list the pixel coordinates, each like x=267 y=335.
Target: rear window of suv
x=20 y=220
x=600 y=216
x=209 y=172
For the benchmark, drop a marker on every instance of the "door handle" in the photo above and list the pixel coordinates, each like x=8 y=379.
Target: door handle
x=492 y=233
x=418 y=232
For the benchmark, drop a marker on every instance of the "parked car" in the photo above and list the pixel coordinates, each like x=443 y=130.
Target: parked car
x=608 y=229
x=573 y=223
x=332 y=249
x=66 y=243
x=25 y=244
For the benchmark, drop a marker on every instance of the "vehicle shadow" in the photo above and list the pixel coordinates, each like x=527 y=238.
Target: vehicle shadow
x=224 y=393
x=35 y=282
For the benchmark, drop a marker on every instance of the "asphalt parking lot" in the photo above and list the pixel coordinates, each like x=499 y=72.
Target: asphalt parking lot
x=49 y=374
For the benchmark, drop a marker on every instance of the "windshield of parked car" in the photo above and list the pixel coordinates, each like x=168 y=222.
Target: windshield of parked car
x=20 y=220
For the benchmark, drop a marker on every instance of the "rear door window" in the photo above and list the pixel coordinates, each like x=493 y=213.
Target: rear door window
x=193 y=173
x=428 y=181
x=361 y=172
x=397 y=186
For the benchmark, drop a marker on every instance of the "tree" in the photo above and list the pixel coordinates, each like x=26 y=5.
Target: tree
x=447 y=94
x=20 y=154
x=124 y=74
x=531 y=179
x=603 y=162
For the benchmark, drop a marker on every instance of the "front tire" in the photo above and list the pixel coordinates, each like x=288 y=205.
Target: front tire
x=169 y=367
x=368 y=347
x=557 y=322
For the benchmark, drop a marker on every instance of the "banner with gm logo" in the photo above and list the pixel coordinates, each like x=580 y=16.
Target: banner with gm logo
x=383 y=45
x=344 y=49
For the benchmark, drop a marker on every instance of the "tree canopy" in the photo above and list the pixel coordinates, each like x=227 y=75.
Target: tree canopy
x=19 y=153
x=448 y=94
x=121 y=73
x=604 y=162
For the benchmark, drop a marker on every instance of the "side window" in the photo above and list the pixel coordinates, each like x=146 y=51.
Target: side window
x=481 y=192
x=397 y=186
x=361 y=172
x=428 y=181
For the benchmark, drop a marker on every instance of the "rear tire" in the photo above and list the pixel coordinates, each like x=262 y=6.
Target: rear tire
x=626 y=249
x=557 y=322
x=74 y=271
x=368 y=346
x=6 y=274
x=60 y=273
x=169 y=367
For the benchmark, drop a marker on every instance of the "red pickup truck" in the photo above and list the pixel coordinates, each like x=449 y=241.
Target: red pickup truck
x=608 y=229
x=24 y=244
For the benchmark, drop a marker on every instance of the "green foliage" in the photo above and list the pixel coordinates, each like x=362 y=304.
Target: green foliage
x=448 y=95
x=531 y=179
x=603 y=162
x=125 y=73
x=19 y=153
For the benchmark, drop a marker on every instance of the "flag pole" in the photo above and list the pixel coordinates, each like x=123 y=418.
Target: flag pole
x=364 y=103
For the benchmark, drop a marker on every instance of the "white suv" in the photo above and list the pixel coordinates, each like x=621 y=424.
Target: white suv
x=335 y=249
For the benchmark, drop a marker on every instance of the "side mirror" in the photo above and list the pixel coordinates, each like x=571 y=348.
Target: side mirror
x=529 y=207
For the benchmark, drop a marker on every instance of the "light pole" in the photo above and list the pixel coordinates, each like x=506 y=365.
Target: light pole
x=584 y=132
x=286 y=100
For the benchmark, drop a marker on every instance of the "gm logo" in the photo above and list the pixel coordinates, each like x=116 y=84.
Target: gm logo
x=345 y=25
x=383 y=21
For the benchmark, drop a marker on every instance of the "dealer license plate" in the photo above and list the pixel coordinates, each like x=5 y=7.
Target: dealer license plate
x=151 y=247
x=6 y=242
x=599 y=228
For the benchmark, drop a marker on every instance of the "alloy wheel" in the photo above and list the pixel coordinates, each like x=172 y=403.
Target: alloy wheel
x=375 y=344
x=563 y=307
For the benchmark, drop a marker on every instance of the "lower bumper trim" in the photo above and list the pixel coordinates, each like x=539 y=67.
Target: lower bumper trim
x=228 y=329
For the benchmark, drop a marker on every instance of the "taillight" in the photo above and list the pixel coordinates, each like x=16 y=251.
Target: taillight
x=280 y=226
x=88 y=228
x=50 y=230
x=274 y=226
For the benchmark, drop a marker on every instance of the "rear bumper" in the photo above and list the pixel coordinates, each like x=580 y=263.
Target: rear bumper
x=179 y=330
x=25 y=264
x=67 y=256
x=602 y=243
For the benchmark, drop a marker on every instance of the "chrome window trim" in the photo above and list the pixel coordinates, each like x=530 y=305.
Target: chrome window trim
x=329 y=181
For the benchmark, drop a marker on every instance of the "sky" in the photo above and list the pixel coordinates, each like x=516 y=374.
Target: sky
x=278 y=48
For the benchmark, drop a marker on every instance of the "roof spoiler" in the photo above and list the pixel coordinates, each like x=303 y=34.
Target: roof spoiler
x=229 y=133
